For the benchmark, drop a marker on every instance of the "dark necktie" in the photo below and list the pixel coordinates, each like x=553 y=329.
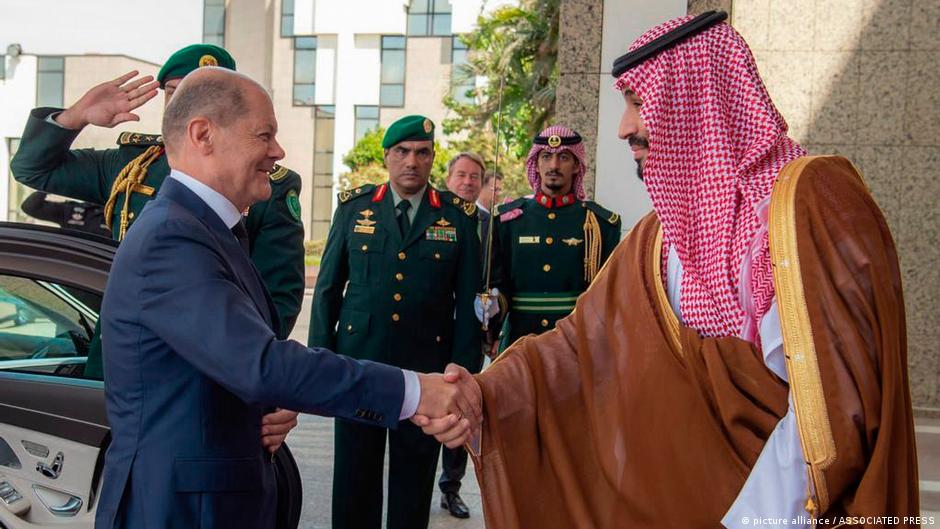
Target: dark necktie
x=240 y=233
x=403 y=223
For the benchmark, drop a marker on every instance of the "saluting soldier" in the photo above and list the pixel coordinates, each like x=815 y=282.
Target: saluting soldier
x=547 y=247
x=396 y=285
x=126 y=178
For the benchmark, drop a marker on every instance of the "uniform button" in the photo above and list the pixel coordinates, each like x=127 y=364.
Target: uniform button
x=395 y=317
x=399 y=276
x=549 y=240
x=547 y=268
x=349 y=327
x=130 y=215
x=397 y=296
x=365 y=247
x=437 y=256
x=544 y=323
x=438 y=338
x=551 y=215
x=401 y=256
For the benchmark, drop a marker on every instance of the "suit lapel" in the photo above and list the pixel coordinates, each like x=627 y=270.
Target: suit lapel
x=246 y=275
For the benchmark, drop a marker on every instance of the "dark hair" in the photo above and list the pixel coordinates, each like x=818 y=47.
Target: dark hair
x=221 y=99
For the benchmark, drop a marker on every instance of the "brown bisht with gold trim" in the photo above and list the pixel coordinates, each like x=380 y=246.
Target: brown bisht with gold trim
x=623 y=418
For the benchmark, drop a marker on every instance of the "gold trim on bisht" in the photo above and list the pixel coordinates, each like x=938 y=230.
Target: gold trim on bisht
x=672 y=321
x=592 y=247
x=130 y=180
x=812 y=417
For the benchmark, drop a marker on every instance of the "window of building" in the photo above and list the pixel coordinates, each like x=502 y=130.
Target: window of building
x=322 y=200
x=392 y=90
x=429 y=18
x=305 y=71
x=50 y=82
x=287 y=18
x=213 y=22
x=367 y=118
x=461 y=81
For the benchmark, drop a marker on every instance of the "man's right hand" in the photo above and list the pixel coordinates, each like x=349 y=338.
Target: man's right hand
x=110 y=103
x=454 y=426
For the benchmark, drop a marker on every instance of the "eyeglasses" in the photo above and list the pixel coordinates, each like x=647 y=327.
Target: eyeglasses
x=423 y=154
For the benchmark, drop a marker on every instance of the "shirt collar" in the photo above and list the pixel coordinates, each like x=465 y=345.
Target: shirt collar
x=482 y=207
x=216 y=202
x=414 y=199
x=555 y=202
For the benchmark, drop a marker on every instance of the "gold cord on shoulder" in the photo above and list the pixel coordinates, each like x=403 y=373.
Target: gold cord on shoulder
x=592 y=247
x=130 y=180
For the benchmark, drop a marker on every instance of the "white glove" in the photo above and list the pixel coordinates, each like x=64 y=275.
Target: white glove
x=485 y=306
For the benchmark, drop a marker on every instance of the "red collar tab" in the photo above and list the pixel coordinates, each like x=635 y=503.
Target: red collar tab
x=435 y=198
x=555 y=202
x=380 y=193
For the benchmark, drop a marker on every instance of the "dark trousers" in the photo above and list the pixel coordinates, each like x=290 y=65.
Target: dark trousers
x=357 y=476
x=453 y=469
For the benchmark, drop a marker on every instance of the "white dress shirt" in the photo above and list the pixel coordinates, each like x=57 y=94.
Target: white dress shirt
x=230 y=216
x=777 y=485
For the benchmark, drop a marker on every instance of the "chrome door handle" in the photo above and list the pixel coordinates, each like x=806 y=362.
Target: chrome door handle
x=72 y=504
x=69 y=508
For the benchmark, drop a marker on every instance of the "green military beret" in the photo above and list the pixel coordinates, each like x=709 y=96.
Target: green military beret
x=191 y=57
x=409 y=128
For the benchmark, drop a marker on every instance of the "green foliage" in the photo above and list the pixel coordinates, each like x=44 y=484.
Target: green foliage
x=518 y=46
x=367 y=151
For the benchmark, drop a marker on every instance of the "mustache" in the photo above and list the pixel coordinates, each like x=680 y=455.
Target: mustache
x=553 y=173
x=636 y=141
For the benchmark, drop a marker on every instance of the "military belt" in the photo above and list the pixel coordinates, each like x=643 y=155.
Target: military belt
x=544 y=302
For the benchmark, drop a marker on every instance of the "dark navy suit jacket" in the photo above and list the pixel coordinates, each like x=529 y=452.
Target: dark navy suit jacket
x=192 y=364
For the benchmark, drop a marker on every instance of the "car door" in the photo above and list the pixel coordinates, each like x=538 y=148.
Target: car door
x=53 y=426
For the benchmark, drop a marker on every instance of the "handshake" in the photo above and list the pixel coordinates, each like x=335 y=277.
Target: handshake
x=451 y=406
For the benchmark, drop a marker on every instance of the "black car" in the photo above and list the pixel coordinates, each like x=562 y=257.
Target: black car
x=53 y=426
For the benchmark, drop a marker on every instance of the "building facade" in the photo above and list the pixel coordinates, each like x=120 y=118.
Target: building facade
x=332 y=75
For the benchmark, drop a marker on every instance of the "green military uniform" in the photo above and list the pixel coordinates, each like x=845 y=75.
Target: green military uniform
x=126 y=178
x=45 y=162
x=407 y=302
x=546 y=251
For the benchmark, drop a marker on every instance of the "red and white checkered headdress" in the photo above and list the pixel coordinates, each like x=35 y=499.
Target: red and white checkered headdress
x=716 y=145
x=554 y=139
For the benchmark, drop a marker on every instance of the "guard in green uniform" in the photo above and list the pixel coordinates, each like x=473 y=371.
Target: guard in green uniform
x=547 y=248
x=126 y=178
x=396 y=285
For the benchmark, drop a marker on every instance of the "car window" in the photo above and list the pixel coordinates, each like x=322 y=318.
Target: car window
x=45 y=328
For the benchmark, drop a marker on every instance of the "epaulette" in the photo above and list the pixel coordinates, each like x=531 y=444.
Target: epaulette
x=139 y=139
x=510 y=210
x=601 y=212
x=469 y=208
x=278 y=173
x=349 y=194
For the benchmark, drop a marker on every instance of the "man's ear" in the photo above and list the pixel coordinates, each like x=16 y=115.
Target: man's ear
x=199 y=133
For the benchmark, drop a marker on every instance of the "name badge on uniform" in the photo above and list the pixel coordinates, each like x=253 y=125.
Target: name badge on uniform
x=441 y=231
x=529 y=239
x=365 y=225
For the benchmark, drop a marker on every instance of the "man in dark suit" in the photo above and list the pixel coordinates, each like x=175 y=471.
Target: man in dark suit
x=191 y=355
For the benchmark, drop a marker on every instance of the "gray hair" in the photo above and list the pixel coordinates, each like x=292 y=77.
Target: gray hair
x=220 y=98
x=472 y=156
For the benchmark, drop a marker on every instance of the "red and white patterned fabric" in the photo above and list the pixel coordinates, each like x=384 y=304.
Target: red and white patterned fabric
x=531 y=162
x=716 y=144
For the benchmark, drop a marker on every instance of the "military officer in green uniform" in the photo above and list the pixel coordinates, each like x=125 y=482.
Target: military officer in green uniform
x=126 y=178
x=547 y=247
x=396 y=285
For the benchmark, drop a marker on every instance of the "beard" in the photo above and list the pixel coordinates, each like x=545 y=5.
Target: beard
x=643 y=143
